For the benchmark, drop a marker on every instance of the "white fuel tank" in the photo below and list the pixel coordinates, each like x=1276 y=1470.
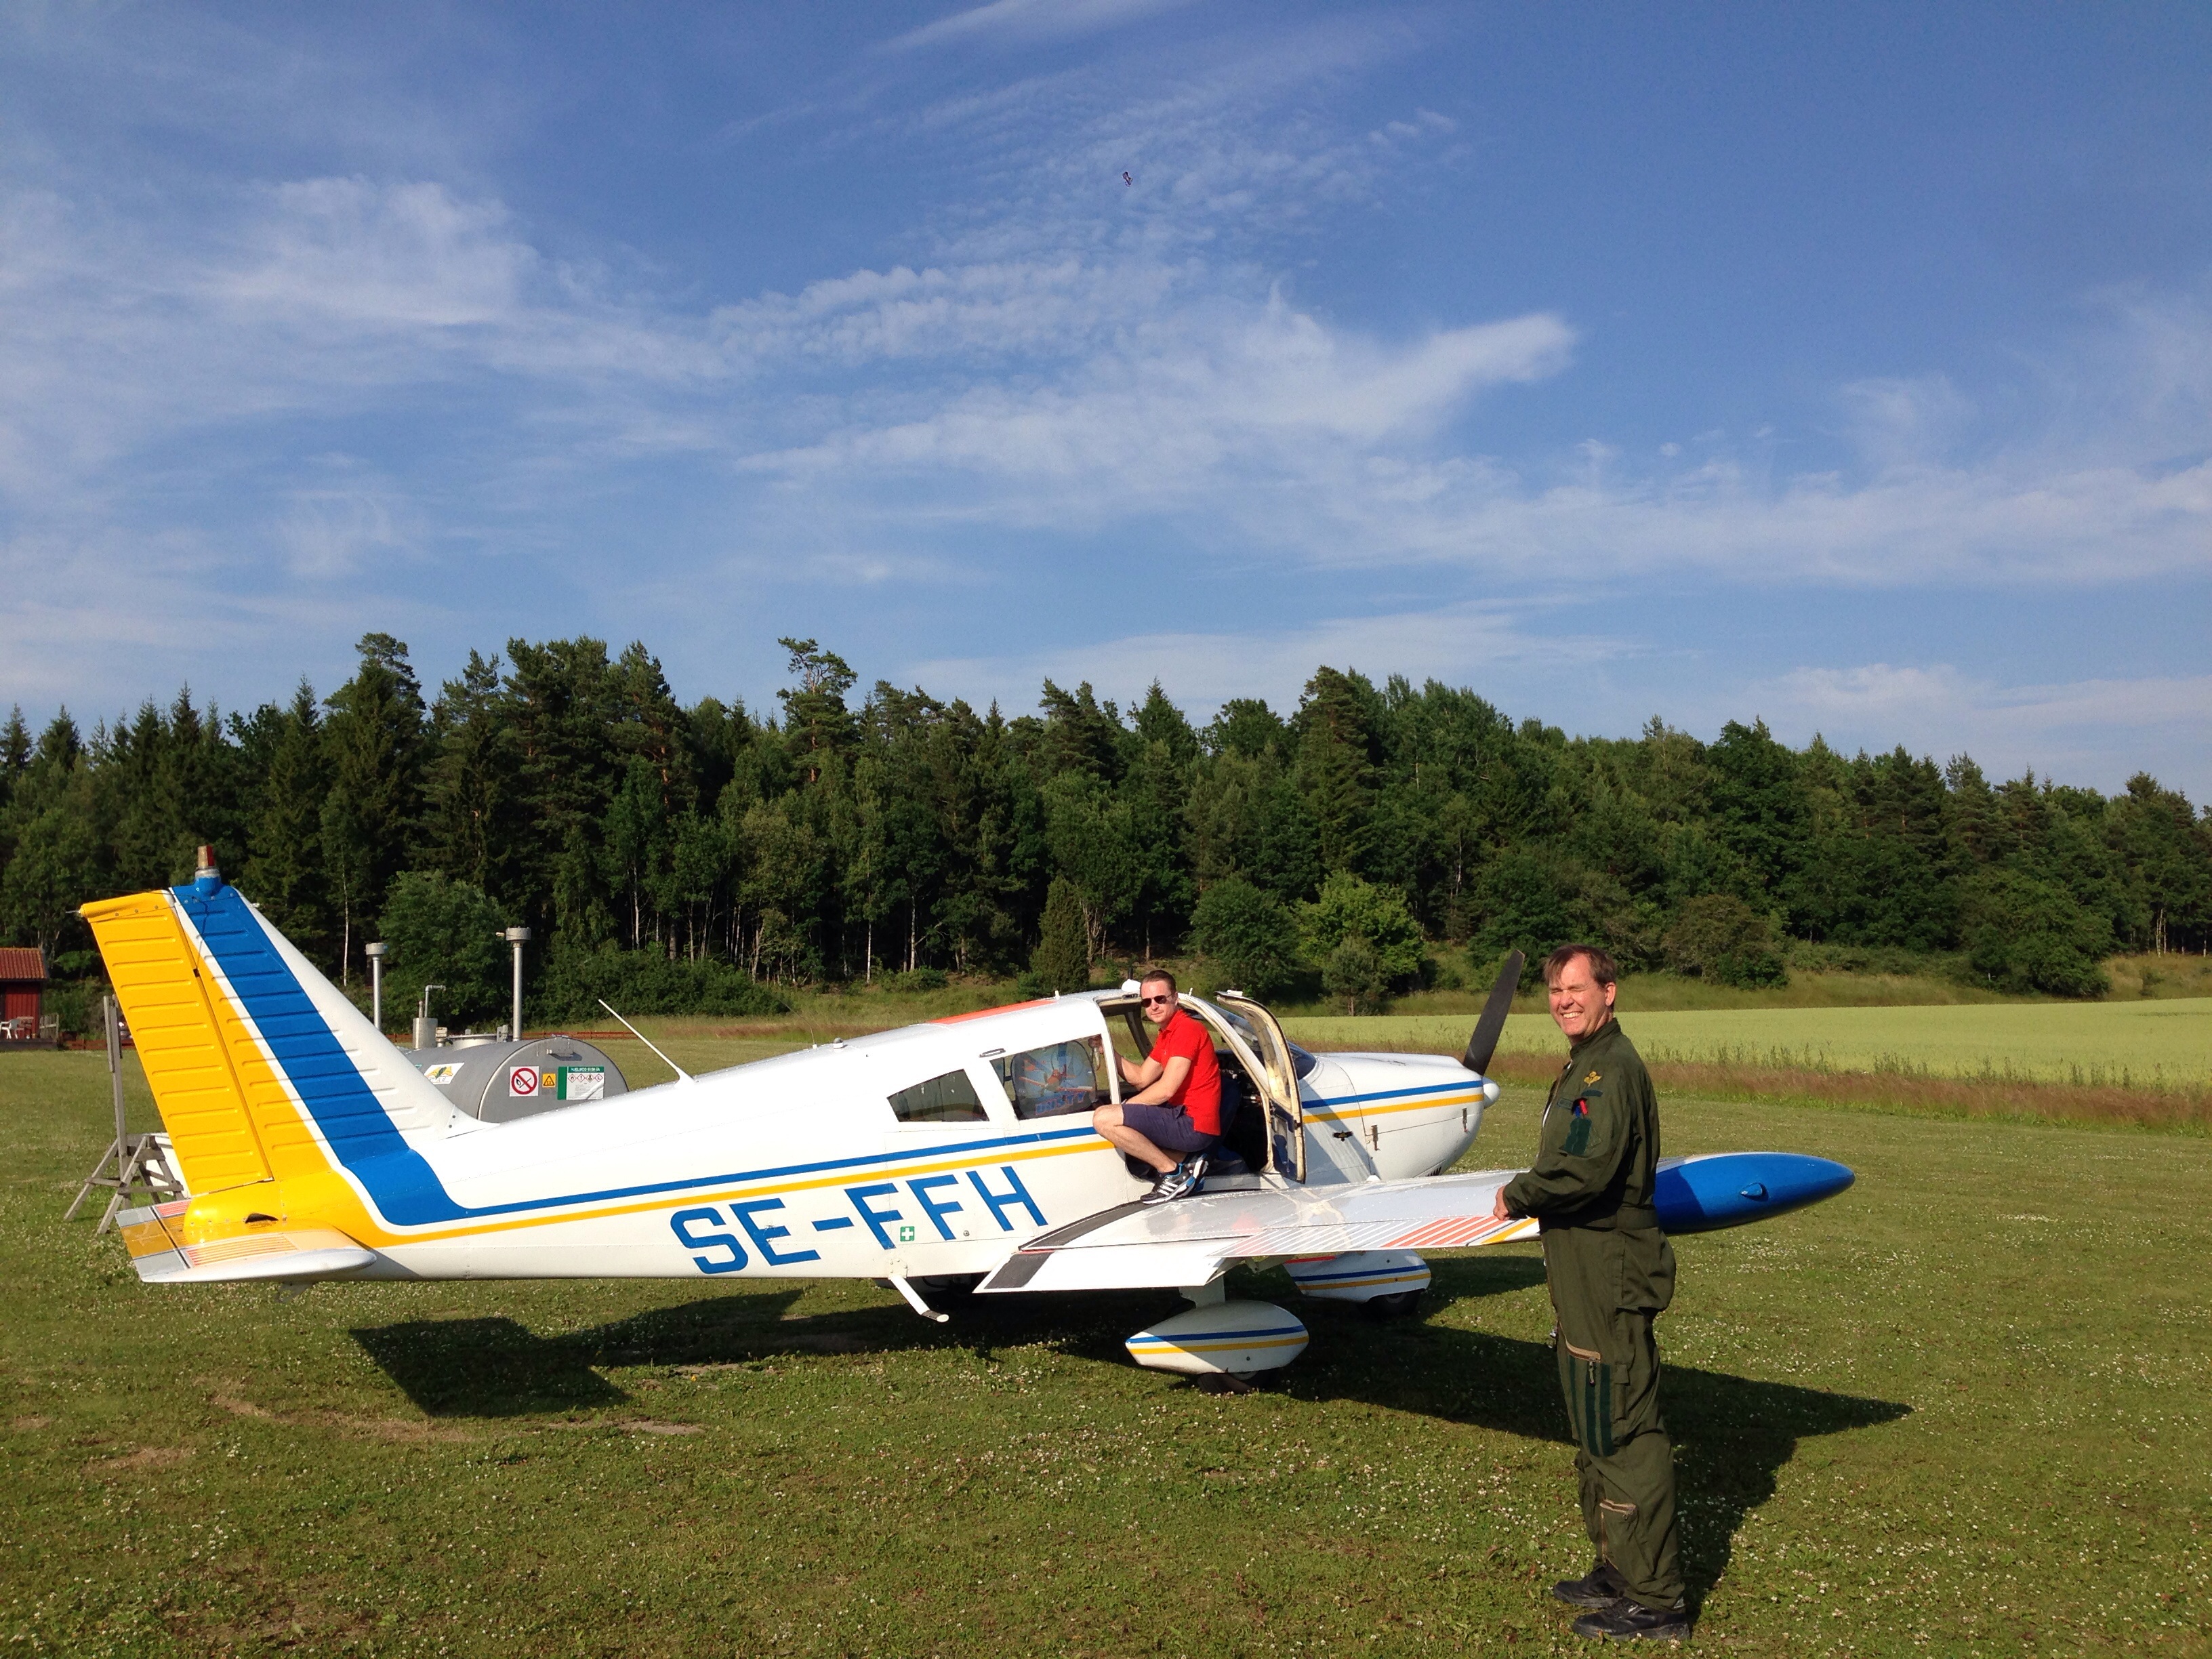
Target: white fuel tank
x=1238 y=1338
x=1360 y=1276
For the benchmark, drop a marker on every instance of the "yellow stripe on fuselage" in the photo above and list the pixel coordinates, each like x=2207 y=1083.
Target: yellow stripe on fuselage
x=1333 y=1115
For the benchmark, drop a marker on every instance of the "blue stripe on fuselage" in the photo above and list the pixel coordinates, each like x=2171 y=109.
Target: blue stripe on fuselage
x=1387 y=1094
x=398 y=1181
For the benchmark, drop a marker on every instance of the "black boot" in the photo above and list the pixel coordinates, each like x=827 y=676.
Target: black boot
x=1626 y=1621
x=1601 y=1587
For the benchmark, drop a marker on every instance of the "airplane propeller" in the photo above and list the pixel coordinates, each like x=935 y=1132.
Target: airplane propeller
x=1491 y=1026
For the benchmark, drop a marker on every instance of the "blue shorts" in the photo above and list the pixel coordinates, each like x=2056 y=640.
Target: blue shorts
x=1168 y=1127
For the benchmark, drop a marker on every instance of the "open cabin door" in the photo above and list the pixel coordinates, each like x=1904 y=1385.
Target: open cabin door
x=1286 y=1117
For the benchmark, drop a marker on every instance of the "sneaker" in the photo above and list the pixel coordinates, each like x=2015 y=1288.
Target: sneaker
x=1601 y=1587
x=1179 y=1183
x=1627 y=1621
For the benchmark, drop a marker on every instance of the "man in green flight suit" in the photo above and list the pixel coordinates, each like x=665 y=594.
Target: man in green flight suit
x=1612 y=1272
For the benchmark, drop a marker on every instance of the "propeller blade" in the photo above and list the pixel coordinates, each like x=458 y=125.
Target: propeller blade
x=1491 y=1026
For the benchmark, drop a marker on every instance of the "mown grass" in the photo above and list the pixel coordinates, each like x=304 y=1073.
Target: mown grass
x=1958 y=1410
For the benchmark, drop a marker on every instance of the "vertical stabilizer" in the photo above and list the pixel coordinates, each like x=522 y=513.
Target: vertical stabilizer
x=261 y=1068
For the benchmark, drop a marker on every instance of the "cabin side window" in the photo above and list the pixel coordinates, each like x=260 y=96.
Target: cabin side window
x=948 y=1099
x=1056 y=1079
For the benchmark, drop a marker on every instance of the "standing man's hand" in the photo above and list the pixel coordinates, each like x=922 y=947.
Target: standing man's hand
x=1497 y=1210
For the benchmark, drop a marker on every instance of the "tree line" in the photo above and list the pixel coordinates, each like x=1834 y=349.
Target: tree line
x=1375 y=837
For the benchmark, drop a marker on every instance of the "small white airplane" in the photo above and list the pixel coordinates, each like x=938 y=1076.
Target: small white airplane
x=949 y=1155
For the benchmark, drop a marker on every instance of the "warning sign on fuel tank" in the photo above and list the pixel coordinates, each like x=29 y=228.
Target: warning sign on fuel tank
x=522 y=1082
x=583 y=1082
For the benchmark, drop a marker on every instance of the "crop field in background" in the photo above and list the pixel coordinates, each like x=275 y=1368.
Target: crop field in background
x=2144 y=1063
x=2150 y=1043
x=1958 y=1410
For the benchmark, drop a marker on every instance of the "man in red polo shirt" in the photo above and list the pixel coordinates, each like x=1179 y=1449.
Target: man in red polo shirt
x=1173 y=1120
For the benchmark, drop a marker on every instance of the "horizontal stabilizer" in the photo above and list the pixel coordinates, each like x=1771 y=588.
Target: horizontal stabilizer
x=161 y=1254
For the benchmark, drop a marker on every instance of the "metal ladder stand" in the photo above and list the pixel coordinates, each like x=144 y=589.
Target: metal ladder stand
x=130 y=1161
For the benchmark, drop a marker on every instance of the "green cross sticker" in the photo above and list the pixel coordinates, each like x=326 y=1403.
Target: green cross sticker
x=906 y=1235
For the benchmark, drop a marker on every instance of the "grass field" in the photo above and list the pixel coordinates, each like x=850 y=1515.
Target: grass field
x=2150 y=1043
x=1958 y=1410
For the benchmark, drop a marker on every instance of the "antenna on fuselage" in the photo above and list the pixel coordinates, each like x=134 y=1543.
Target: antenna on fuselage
x=682 y=1075
x=1483 y=1044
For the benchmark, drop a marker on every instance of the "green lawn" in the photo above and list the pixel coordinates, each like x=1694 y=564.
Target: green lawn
x=2167 y=1042
x=1958 y=1410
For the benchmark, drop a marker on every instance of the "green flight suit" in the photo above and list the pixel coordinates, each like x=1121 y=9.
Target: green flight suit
x=1612 y=1272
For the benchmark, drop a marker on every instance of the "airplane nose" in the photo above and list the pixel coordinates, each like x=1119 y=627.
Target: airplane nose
x=1726 y=1189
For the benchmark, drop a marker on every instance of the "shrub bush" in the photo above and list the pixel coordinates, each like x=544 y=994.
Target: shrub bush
x=644 y=982
x=916 y=979
x=1717 y=936
x=1354 y=973
x=1251 y=936
x=445 y=932
x=75 y=1004
x=2026 y=934
x=1350 y=908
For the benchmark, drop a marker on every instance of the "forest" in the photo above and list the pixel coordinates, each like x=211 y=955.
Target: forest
x=1376 y=838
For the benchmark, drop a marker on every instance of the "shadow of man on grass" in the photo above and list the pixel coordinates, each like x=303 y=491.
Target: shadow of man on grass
x=1733 y=1435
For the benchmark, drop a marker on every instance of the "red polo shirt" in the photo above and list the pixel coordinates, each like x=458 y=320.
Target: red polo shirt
x=1201 y=1094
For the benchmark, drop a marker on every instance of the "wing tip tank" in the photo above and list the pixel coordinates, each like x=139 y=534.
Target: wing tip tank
x=1727 y=1189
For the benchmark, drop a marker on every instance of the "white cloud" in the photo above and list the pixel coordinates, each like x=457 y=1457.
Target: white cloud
x=1042 y=349
x=1026 y=20
x=1200 y=670
x=336 y=530
x=1157 y=420
x=402 y=257
x=2097 y=729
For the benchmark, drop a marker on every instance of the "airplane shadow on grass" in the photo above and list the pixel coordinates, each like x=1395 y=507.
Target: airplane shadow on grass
x=1733 y=1435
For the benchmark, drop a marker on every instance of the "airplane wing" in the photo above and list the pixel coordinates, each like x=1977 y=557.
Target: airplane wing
x=1189 y=1242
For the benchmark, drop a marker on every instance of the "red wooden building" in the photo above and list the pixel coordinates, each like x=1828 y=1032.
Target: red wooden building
x=23 y=992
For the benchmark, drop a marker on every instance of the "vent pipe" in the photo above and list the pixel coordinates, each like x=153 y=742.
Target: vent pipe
x=375 y=955
x=518 y=937
x=426 y=1029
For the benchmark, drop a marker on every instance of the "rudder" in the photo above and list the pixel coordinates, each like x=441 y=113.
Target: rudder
x=261 y=1069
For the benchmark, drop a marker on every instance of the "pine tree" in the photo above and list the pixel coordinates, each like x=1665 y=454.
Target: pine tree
x=285 y=869
x=375 y=740
x=1061 y=960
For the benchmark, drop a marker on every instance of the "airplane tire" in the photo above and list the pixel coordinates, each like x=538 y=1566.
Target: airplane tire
x=1399 y=1305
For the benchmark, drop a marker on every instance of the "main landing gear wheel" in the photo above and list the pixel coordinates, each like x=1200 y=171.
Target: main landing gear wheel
x=1399 y=1305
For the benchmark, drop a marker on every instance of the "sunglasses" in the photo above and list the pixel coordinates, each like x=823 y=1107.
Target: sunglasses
x=1156 y=1002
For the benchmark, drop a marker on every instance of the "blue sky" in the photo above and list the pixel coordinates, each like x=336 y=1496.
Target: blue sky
x=1851 y=369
